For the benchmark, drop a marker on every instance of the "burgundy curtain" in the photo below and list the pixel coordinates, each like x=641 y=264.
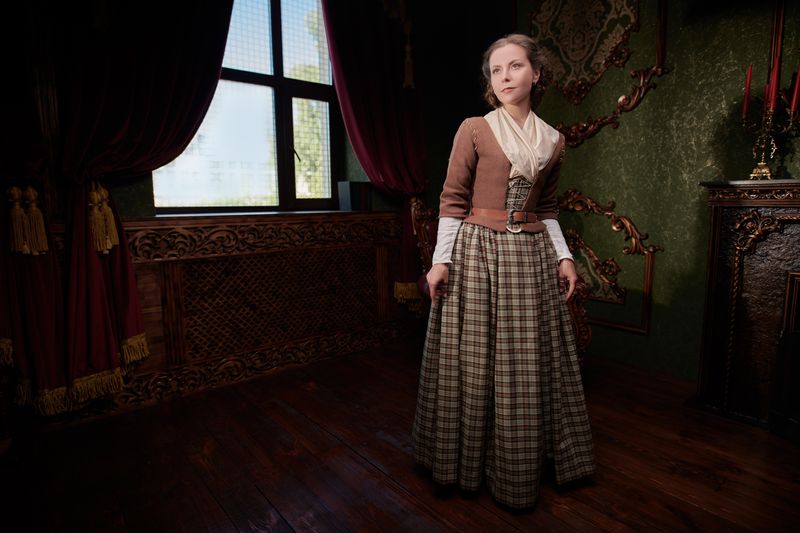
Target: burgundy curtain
x=119 y=88
x=382 y=117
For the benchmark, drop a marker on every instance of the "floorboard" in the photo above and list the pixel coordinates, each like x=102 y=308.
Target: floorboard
x=327 y=447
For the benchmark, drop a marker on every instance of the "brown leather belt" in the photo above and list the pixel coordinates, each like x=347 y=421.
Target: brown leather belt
x=511 y=217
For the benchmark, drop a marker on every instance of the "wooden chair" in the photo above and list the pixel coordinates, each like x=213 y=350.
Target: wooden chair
x=425 y=222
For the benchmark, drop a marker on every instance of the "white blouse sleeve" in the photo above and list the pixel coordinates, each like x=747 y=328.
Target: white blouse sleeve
x=445 y=239
x=554 y=229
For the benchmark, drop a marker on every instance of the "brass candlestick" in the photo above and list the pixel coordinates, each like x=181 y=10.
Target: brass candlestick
x=765 y=145
x=763 y=141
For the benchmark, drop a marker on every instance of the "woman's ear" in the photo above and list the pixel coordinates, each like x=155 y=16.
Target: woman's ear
x=536 y=75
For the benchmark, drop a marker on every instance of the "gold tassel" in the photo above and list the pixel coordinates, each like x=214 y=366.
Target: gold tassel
x=23 y=396
x=108 y=216
x=408 y=294
x=63 y=399
x=51 y=402
x=6 y=350
x=37 y=235
x=404 y=292
x=134 y=349
x=94 y=386
x=97 y=222
x=18 y=234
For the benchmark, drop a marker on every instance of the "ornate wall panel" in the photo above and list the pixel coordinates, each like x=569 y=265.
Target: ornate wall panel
x=582 y=38
x=755 y=241
x=601 y=274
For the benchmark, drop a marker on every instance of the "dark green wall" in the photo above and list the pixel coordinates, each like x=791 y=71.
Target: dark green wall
x=684 y=132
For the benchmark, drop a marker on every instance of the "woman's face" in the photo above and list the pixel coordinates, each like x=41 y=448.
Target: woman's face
x=512 y=75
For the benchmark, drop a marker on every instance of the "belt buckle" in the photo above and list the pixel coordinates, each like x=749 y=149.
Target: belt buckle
x=512 y=225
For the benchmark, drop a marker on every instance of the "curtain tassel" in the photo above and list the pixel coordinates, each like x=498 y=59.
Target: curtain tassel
x=6 y=350
x=23 y=395
x=134 y=349
x=97 y=223
x=63 y=399
x=37 y=235
x=94 y=386
x=408 y=293
x=108 y=216
x=18 y=228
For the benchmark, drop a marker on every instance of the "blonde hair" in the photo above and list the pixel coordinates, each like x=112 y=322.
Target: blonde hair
x=535 y=57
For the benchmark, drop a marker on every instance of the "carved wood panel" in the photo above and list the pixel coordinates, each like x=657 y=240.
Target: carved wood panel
x=755 y=240
x=226 y=298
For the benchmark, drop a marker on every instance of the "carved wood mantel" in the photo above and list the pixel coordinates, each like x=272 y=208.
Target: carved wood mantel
x=754 y=249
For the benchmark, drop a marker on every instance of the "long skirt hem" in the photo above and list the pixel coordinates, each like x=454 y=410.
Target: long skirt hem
x=500 y=388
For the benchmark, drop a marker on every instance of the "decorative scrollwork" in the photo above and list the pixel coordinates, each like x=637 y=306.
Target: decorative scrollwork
x=205 y=374
x=755 y=193
x=749 y=228
x=423 y=220
x=580 y=48
x=607 y=269
x=579 y=132
x=753 y=227
x=576 y=134
x=154 y=242
x=574 y=200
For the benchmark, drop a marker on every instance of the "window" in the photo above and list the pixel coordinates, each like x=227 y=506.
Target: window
x=271 y=132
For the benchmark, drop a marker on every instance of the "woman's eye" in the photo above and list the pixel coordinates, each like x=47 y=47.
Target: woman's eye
x=516 y=65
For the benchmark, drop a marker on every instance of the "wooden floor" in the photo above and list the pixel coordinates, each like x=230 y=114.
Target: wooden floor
x=326 y=447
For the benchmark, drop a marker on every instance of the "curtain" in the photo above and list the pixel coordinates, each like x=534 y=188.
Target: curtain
x=371 y=60
x=118 y=88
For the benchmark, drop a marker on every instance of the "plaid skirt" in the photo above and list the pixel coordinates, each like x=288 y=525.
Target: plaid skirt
x=500 y=388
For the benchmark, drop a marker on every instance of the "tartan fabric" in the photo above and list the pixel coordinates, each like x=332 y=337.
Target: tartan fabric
x=500 y=387
x=518 y=189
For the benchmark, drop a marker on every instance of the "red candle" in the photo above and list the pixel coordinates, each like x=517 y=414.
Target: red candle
x=746 y=103
x=777 y=52
x=774 y=82
x=795 y=93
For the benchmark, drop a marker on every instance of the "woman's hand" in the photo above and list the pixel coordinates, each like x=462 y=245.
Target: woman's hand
x=567 y=276
x=437 y=280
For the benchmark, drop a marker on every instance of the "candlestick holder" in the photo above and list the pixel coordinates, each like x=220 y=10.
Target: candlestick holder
x=768 y=133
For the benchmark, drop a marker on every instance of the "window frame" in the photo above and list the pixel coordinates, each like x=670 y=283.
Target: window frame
x=284 y=90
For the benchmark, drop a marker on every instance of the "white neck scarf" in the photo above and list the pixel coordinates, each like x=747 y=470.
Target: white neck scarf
x=529 y=148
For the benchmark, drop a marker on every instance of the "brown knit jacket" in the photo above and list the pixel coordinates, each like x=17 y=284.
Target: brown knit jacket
x=477 y=176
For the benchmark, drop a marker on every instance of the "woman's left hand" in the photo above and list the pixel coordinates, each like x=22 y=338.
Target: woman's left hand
x=567 y=276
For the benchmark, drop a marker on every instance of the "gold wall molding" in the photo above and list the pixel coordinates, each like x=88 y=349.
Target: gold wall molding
x=644 y=80
x=608 y=269
x=580 y=48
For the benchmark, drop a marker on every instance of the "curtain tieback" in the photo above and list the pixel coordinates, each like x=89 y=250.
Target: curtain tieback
x=101 y=220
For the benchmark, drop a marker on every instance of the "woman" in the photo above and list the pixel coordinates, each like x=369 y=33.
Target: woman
x=500 y=388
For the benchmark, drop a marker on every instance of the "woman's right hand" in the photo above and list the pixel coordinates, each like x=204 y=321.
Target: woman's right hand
x=437 y=280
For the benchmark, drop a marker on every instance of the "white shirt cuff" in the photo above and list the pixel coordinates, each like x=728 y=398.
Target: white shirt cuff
x=445 y=239
x=559 y=243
